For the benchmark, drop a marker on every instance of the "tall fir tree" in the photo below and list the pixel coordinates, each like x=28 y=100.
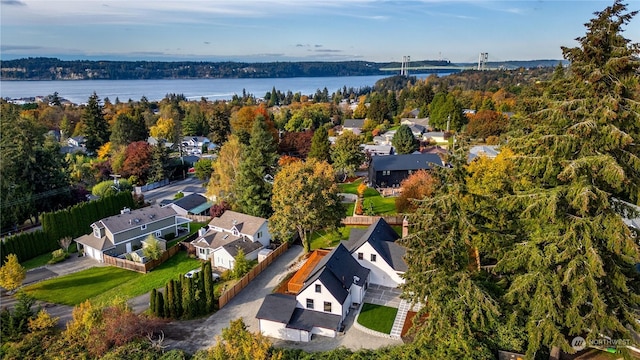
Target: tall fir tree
x=404 y=141
x=320 y=145
x=253 y=187
x=573 y=273
x=96 y=128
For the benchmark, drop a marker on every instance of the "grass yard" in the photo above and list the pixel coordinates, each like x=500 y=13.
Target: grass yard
x=381 y=205
x=176 y=266
x=75 y=288
x=43 y=259
x=326 y=239
x=102 y=284
x=377 y=317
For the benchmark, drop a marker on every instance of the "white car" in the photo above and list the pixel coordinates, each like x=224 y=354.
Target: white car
x=191 y=273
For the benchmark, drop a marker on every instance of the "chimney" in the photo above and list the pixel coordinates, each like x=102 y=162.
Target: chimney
x=125 y=210
x=202 y=230
x=405 y=227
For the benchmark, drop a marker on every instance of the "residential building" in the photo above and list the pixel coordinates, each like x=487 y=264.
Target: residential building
x=353 y=125
x=120 y=234
x=489 y=151
x=222 y=239
x=377 y=249
x=192 y=204
x=76 y=141
x=327 y=287
x=389 y=171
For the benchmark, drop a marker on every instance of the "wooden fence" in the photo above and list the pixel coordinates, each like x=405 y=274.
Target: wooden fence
x=141 y=268
x=230 y=293
x=368 y=220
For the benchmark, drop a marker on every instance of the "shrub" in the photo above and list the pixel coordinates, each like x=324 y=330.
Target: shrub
x=58 y=256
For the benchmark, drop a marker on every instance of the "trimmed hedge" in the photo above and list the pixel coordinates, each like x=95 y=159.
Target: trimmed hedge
x=73 y=221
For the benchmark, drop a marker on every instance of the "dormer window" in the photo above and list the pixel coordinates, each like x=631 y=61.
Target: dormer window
x=143 y=227
x=96 y=232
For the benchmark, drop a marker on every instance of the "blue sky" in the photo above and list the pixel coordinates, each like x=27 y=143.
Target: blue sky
x=296 y=30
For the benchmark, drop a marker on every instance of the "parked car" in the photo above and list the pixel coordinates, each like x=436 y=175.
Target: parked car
x=191 y=273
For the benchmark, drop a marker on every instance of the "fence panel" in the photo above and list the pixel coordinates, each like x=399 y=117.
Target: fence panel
x=230 y=293
x=138 y=267
x=368 y=220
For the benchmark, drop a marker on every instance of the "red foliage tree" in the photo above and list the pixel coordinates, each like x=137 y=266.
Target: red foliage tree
x=138 y=157
x=486 y=123
x=218 y=209
x=296 y=143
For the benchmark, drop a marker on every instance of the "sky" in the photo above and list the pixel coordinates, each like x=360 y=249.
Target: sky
x=296 y=30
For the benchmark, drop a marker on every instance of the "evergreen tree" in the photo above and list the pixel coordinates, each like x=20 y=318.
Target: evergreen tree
x=96 y=128
x=320 y=145
x=152 y=301
x=403 y=141
x=127 y=129
x=159 y=305
x=573 y=274
x=253 y=188
x=208 y=286
x=219 y=124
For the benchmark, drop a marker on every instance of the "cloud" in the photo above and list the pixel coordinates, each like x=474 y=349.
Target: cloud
x=13 y=3
x=328 y=51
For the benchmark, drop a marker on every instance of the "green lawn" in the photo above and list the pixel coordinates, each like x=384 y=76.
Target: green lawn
x=328 y=239
x=102 y=284
x=74 y=288
x=43 y=259
x=193 y=228
x=377 y=317
x=381 y=205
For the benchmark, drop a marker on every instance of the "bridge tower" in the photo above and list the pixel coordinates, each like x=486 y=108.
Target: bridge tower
x=482 y=61
x=404 y=68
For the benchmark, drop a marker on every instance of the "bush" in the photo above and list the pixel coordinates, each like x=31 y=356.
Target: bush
x=58 y=256
x=169 y=236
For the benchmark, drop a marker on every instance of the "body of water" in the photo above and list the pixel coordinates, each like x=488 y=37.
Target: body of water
x=78 y=91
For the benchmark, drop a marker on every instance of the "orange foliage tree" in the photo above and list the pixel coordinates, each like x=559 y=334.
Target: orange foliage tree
x=416 y=187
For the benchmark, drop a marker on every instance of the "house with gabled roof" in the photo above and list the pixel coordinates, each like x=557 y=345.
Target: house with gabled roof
x=327 y=287
x=376 y=248
x=389 y=171
x=120 y=234
x=224 y=236
x=192 y=204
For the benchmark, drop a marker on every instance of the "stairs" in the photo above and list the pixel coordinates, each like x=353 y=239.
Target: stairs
x=398 y=324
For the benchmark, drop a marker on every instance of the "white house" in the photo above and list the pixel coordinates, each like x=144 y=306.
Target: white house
x=119 y=234
x=377 y=250
x=326 y=288
x=221 y=240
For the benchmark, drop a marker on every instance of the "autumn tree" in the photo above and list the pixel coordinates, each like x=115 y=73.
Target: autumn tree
x=151 y=247
x=12 y=274
x=573 y=274
x=404 y=142
x=238 y=343
x=164 y=129
x=252 y=187
x=305 y=198
x=486 y=123
x=320 y=145
x=346 y=155
x=96 y=128
x=203 y=168
x=225 y=171
x=138 y=156
x=415 y=188
x=296 y=143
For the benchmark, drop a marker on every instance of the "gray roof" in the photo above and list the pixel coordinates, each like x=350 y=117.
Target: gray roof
x=102 y=243
x=245 y=244
x=245 y=224
x=277 y=307
x=382 y=238
x=405 y=162
x=337 y=271
x=353 y=123
x=135 y=218
x=214 y=239
x=303 y=319
x=489 y=151
x=190 y=202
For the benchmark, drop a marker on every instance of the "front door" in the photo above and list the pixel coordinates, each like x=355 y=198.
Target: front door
x=128 y=245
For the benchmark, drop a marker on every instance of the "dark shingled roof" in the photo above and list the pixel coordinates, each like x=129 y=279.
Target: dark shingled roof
x=353 y=123
x=303 y=319
x=245 y=244
x=382 y=238
x=337 y=271
x=277 y=307
x=405 y=162
x=190 y=202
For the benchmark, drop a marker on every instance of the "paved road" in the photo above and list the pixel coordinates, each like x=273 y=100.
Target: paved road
x=168 y=192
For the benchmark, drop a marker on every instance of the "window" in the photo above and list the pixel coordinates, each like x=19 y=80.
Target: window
x=259 y=235
x=318 y=288
x=96 y=233
x=158 y=233
x=201 y=251
x=373 y=257
x=360 y=256
x=327 y=306
x=386 y=172
x=309 y=303
x=143 y=227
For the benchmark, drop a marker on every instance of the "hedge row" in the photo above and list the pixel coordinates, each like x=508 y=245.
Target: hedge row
x=73 y=221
